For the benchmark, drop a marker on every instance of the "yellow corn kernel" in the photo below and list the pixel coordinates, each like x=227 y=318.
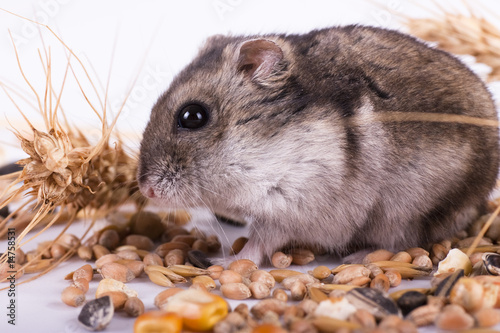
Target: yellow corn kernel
x=199 y=309
x=268 y=328
x=158 y=322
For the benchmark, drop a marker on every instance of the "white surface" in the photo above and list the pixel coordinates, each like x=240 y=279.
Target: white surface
x=165 y=35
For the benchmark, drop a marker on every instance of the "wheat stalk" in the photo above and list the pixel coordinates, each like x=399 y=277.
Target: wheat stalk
x=64 y=174
x=469 y=34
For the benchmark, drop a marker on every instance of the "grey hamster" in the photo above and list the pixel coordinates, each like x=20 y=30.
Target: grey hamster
x=291 y=133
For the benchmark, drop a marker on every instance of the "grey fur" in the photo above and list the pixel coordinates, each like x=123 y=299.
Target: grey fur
x=299 y=148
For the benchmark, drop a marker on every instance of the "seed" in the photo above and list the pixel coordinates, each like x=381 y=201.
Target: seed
x=229 y=276
x=175 y=257
x=350 y=273
x=174 y=277
x=235 y=291
x=417 y=251
x=491 y=262
x=487 y=317
x=317 y=295
x=328 y=287
x=213 y=243
x=321 y=272
x=117 y=272
x=134 y=307
x=372 y=300
x=125 y=248
x=402 y=256
x=137 y=267
x=281 y=260
x=97 y=314
x=280 y=294
x=81 y=283
x=159 y=279
x=445 y=282
x=280 y=274
x=163 y=249
x=158 y=322
x=215 y=271
x=439 y=252
x=374 y=269
x=188 y=239
x=86 y=272
x=147 y=224
x=298 y=291
x=259 y=290
x=422 y=261
x=69 y=241
x=328 y=324
x=360 y=281
x=406 y=270
x=198 y=259
x=140 y=242
x=162 y=298
x=378 y=255
x=467 y=242
x=268 y=304
x=467 y=293
x=411 y=300
x=109 y=239
x=394 y=278
x=454 y=318
x=363 y=318
x=188 y=271
x=204 y=280
x=85 y=253
x=476 y=258
x=200 y=245
x=73 y=296
x=238 y=245
x=424 y=315
x=302 y=256
x=106 y=285
x=263 y=277
x=381 y=282
x=306 y=279
x=129 y=255
x=107 y=258
x=57 y=251
x=152 y=259
x=118 y=298
x=99 y=251
x=245 y=267
x=171 y=232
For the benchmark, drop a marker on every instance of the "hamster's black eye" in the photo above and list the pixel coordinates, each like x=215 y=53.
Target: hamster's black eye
x=193 y=116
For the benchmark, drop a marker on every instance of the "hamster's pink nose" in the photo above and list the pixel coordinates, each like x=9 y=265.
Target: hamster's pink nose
x=150 y=193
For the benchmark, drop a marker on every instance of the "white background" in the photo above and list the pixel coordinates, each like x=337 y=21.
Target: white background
x=151 y=40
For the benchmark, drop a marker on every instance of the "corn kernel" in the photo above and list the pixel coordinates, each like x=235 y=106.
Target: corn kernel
x=158 y=322
x=199 y=310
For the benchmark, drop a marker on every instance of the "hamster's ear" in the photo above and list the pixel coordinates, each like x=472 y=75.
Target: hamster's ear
x=259 y=58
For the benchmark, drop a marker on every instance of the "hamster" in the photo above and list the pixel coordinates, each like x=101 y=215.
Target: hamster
x=333 y=139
